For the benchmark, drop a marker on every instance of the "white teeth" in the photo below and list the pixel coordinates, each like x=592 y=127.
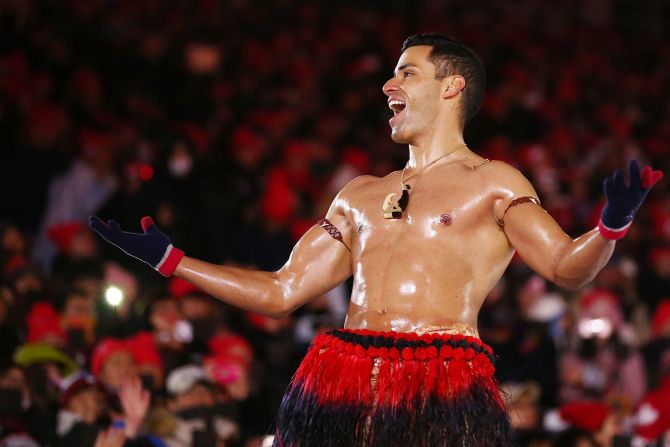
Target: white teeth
x=396 y=105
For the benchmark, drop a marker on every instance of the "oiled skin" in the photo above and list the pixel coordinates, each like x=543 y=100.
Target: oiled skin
x=415 y=273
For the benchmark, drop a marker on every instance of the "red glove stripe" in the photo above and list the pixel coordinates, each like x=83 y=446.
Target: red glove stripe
x=170 y=261
x=146 y=222
x=613 y=234
x=650 y=177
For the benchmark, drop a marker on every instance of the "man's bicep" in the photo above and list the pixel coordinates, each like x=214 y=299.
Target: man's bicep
x=536 y=236
x=319 y=261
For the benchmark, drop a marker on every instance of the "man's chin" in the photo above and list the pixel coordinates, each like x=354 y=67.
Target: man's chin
x=399 y=137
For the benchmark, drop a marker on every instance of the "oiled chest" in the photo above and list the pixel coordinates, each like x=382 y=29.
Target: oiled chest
x=438 y=212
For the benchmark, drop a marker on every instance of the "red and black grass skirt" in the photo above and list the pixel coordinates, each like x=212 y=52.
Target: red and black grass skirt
x=386 y=389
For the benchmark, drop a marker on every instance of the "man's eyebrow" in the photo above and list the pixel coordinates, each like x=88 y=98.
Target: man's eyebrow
x=402 y=67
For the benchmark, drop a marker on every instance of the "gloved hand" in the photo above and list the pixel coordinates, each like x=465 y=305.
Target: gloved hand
x=152 y=246
x=623 y=201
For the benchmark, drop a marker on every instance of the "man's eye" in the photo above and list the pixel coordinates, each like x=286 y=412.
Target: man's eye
x=406 y=74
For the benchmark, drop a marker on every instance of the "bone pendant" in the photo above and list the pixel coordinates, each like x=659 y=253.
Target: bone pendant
x=390 y=208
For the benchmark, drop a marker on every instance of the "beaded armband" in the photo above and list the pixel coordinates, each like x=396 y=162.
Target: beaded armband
x=515 y=202
x=333 y=231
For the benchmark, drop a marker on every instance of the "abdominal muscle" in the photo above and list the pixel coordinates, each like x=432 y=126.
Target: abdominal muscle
x=406 y=298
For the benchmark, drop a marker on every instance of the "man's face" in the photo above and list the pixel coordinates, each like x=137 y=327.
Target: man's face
x=413 y=94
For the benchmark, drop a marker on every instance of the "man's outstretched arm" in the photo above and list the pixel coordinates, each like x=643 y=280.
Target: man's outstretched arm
x=317 y=264
x=544 y=246
x=573 y=263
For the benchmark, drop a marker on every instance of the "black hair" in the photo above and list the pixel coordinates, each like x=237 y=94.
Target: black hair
x=451 y=57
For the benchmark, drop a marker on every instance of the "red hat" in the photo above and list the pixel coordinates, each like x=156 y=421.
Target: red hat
x=63 y=234
x=44 y=320
x=653 y=414
x=589 y=416
x=661 y=319
x=143 y=348
x=179 y=288
x=601 y=303
x=103 y=350
x=279 y=201
x=233 y=346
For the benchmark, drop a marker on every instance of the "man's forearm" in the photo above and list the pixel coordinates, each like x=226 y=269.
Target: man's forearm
x=581 y=260
x=252 y=290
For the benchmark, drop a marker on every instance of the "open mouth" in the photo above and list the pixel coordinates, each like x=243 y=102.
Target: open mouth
x=397 y=106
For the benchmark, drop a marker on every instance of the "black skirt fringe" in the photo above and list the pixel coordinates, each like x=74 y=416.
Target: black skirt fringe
x=387 y=389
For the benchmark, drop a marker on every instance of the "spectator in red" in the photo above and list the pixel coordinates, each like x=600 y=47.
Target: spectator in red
x=83 y=403
x=148 y=360
x=112 y=363
x=44 y=325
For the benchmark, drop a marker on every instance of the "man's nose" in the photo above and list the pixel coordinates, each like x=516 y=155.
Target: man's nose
x=390 y=86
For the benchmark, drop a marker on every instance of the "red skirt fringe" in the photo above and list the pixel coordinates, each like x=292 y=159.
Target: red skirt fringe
x=366 y=388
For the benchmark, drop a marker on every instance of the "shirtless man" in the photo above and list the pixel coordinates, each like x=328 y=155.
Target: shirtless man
x=423 y=261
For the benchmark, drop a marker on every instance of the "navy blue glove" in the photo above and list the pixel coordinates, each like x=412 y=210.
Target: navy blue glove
x=152 y=246
x=623 y=200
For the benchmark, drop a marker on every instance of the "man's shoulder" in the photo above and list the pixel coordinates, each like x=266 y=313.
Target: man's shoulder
x=499 y=168
x=500 y=174
x=506 y=183
x=358 y=183
x=350 y=194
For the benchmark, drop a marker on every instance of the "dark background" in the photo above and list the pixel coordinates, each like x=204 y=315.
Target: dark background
x=234 y=124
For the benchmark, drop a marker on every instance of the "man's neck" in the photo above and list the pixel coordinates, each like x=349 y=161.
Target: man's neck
x=430 y=149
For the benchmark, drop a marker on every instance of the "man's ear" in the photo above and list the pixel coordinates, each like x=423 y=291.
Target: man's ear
x=452 y=85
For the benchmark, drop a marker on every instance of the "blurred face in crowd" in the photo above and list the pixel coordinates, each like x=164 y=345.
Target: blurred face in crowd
x=78 y=307
x=79 y=319
x=415 y=96
x=196 y=307
x=83 y=246
x=611 y=427
x=232 y=373
x=15 y=379
x=90 y=286
x=88 y=403
x=12 y=240
x=240 y=388
x=525 y=414
x=28 y=281
x=118 y=369
x=164 y=315
x=198 y=396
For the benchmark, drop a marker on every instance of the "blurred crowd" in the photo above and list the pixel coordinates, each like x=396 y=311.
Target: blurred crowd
x=234 y=124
